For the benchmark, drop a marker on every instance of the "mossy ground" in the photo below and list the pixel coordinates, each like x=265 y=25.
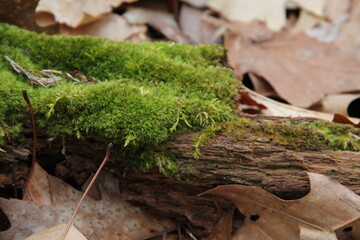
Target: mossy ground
x=144 y=93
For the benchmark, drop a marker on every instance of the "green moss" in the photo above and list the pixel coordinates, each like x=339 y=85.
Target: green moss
x=315 y=135
x=146 y=160
x=145 y=93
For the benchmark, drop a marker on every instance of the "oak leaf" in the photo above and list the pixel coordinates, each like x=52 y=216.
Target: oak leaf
x=110 y=218
x=301 y=69
x=328 y=207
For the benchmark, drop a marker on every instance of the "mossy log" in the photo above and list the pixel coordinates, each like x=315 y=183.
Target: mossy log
x=252 y=160
x=170 y=110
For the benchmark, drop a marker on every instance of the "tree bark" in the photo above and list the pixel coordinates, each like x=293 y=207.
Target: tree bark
x=252 y=161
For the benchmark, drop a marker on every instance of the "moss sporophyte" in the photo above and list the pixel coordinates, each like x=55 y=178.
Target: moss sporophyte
x=143 y=93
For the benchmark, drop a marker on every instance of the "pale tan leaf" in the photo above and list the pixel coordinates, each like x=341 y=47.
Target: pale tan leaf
x=159 y=19
x=270 y=11
x=308 y=233
x=197 y=3
x=55 y=232
x=328 y=207
x=73 y=13
x=306 y=21
x=199 y=26
x=349 y=37
x=337 y=103
x=111 y=26
x=335 y=9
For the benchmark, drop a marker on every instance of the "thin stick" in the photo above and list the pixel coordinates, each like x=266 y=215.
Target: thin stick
x=86 y=192
x=31 y=110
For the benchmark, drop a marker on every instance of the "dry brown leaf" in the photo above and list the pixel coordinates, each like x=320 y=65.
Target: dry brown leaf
x=37 y=188
x=55 y=232
x=159 y=19
x=338 y=118
x=300 y=69
x=261 y=86
x=111 y=26
x=73 y=13
x=270 y=11
x=111 y=218
x=222 y=230
x=328 y=207
x=199 y=26
x=275 y=108
x=249 y=105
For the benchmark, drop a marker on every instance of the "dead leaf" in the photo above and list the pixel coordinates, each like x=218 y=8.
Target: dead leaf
x=55 y=232
x=261 y=86
x=335 y=9
x=112 y=26
x=338 y=118
x=73 y=13
x=199 y=26
x=300 y=69
x=222 y=230
x=252 y=32
x=110 y=218
x=349 y=38
x=275 y=108
x=325 y=28
x=328 y=207
x=197 y=3
x=338 y=103
x=37 y=188
x=159 y=19
x=249 y=105
x=270 y=11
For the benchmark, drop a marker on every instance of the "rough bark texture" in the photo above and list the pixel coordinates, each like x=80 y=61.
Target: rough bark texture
x=252 y=161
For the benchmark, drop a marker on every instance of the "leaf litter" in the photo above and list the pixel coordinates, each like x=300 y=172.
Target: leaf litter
x=327 y=209
x=110 y=218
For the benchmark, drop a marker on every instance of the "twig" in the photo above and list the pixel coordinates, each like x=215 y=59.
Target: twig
x=45 y=82
x=31 y=110
x=164 y=235
x=86 y=192
x=179 y=232
x=72 y=78
x=190 y=234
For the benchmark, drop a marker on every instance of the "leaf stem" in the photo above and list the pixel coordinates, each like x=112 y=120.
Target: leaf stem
x=31 y=110
x=86 y=192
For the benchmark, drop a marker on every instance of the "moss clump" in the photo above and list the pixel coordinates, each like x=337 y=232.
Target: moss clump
x=315 y=135
x=145 y=93
x=146 y=160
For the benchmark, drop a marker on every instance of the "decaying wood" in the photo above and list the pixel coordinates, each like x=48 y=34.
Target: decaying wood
x=252 y=161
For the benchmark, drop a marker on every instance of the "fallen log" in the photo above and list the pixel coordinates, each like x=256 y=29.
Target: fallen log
x=254 y=160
